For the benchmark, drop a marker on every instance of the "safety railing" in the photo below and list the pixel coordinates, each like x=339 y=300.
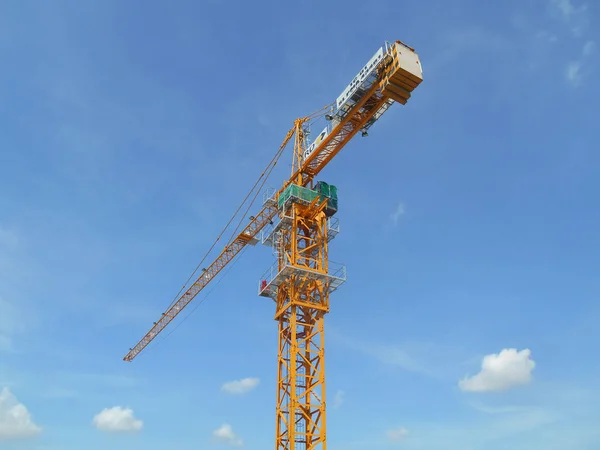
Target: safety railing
x=274 y=276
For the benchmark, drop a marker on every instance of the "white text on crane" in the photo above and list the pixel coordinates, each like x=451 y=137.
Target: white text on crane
x=359 y=78
x=311 y=148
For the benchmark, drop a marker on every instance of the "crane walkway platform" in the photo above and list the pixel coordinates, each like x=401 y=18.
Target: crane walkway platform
x=274 y=277
x=269 y=236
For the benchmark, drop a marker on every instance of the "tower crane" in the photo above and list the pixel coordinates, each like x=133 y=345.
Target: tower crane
x=298 y=221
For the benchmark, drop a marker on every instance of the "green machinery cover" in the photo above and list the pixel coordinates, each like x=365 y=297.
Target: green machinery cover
x=300 y=192
x=322 y=189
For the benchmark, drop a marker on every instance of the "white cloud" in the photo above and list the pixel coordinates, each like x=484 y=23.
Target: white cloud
x=576 y=17
x=397 y=434
x=588 y=48
x=501 y=371
x=395 y=216
x=565 y=7
x=225 y=434
x=240 y=386
x=117 y=420
x=338 y=399
x=573 y=73
x=15 y=420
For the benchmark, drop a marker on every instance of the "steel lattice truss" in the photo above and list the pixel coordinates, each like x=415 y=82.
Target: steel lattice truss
x=302 y=302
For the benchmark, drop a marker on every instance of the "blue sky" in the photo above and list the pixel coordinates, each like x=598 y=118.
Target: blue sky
x=130 y=131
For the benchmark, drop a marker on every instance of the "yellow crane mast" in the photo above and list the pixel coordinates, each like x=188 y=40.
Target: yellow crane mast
x=298 y=221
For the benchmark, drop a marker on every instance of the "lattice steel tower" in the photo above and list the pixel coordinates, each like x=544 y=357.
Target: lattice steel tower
x=297 y=221
x=300 y=283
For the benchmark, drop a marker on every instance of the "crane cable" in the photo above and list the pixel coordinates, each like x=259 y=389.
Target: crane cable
x=315 y=115
x=235 y=232
x=203 y=298
x=267 y=171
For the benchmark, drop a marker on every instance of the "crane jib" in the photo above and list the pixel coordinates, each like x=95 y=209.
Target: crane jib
x=228 y=253
x=327 y=149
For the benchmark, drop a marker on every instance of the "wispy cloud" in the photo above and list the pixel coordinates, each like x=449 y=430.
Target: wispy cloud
x=441 y=361
x=106 y=379
x=397 y=214
x=577 y=18
x=61 y=393
x=562 y=34
x=573 y=73
x=481 y=433
x=555 y=417
x=499 y=409
x=397 y=434
x=389 y=354
x=338 y=398
x=588 y=48
x=240 y=386
x=395 y=355
x=577 y=69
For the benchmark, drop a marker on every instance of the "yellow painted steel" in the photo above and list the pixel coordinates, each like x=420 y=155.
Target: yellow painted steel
x=303 y=297
x=301 y=305
x=303 y=171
